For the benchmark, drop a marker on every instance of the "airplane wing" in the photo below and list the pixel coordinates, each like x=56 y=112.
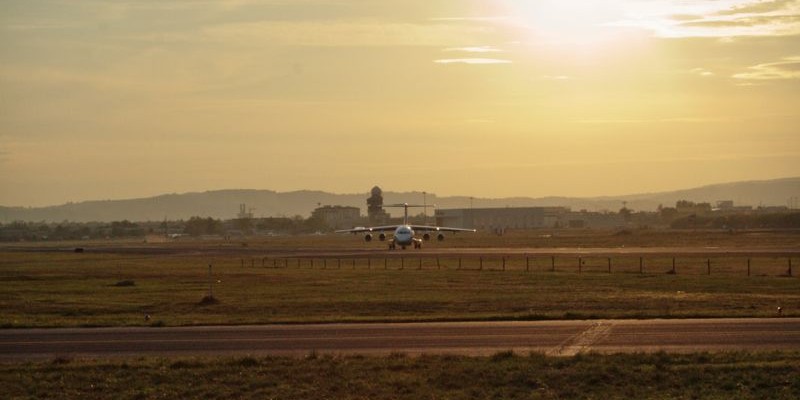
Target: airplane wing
x=368 y=229
x=392 y=228
x=427 y=228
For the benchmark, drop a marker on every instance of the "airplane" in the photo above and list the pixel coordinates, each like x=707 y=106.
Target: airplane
x=404 y=235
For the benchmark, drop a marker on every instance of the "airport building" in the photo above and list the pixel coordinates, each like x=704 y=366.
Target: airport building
x=502 y=219
x=492 y=219
x=377 y=215
x=338 y=217
x=594 y=220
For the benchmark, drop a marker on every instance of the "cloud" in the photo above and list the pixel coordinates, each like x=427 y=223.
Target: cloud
x=343 y=33
x=685 y=17
x=774 y=20
x=62 y=77
x=39 y=26
x=478 y=121
x=471 y=19
x=788 y=68
x=735 y=18
x=666 y=120
x=475 y=49
x=702 y=72
x=476 y=61
x=556 y=77
x=758 y=7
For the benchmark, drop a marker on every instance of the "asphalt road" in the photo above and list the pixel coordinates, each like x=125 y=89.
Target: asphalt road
x=560 y=338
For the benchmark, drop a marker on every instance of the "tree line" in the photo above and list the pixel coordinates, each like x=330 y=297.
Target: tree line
x=739 y=221
x=194 y=227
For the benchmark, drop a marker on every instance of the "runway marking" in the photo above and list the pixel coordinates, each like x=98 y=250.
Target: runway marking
x=583 y=341
x=554 y=338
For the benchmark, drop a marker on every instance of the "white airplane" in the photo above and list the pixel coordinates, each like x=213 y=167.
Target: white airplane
x=404 y=234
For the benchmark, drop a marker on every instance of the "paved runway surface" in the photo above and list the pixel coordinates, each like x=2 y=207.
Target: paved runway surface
x=562 y=338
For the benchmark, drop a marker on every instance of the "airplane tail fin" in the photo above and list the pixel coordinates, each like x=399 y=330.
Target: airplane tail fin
x=406 y=206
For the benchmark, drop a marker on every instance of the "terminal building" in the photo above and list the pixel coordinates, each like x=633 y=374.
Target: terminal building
x=521 y=218
x=338 y=217
x=491 y=219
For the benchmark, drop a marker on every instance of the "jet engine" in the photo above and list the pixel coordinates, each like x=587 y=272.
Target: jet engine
x=426 y=237
x=368 y=237
x=382 y=237
x=440 y=237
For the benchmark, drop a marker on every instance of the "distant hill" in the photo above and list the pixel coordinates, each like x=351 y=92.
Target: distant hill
x=225 y=203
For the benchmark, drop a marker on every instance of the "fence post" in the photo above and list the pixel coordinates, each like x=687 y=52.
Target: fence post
x=790 y=266
x=369 y=263
x=274 y=263
x=324 y=263
x=459 y=262
x=580 y=265
x=402 y=263
x=553 y=263
x=242 y=262
x=354 y=263
x=673 y=266
x=210 y=283
x=420 y=264
x=527 y=264
x=262 y=260
x=385 y=263
x=481 y=265
x=504 y=263
x=641 y=265
x=748 y=267
x=312 y=263
x=709 y=266
x=438 y=266
x=609 y=265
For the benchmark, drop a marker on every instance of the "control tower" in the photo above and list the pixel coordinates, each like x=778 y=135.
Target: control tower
x=375 y=207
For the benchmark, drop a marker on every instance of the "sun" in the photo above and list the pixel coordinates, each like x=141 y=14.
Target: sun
x=567 y=22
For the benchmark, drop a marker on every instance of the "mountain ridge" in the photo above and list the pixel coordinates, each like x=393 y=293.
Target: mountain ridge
x=269 y=203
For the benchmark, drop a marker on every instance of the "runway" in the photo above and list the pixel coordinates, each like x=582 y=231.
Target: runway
x=557 y=338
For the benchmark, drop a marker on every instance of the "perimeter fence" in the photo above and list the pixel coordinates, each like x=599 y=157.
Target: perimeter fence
x=655 y=264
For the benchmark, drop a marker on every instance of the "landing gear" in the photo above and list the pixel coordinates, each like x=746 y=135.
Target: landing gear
x=417 y=245
x=392 y=246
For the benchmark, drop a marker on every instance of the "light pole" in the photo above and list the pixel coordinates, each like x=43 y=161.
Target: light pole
x=425 y=207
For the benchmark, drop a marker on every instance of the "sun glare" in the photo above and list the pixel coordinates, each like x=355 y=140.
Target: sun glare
x=560 y=22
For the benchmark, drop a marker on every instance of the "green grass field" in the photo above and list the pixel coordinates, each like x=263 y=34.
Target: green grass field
x=513 y=239
x=64 y=289
x=504 y=375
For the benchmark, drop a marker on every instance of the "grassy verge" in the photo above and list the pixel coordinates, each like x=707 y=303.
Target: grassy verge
x=544 y=238
x=70 y=289
x=504 y=375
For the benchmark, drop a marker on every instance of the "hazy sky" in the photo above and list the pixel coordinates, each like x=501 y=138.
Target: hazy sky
x=117 y=99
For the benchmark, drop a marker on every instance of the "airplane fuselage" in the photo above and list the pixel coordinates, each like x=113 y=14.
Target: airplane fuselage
x=404 y=236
